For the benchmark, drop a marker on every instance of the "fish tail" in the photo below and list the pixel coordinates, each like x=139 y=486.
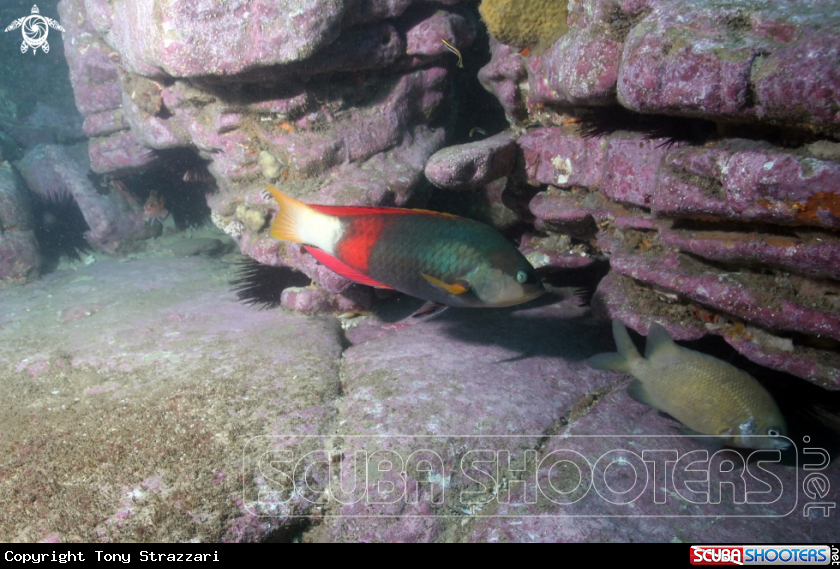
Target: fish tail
x=300 y=223
x=623 y=342
x=290 y=219
x=627 y=354
x=615 y=362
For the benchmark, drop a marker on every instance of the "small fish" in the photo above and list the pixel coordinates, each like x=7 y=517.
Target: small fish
x=707 y=395
x=441 y=258
x=454 y=50
x=154 y=209
x=480 y=131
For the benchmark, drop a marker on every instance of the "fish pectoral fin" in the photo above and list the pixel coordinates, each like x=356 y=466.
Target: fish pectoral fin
x=426 y=312
x=460 y=287
x=748 y=428
x=637 y=392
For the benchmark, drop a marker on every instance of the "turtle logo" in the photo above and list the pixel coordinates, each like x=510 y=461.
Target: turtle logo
x=34 y=31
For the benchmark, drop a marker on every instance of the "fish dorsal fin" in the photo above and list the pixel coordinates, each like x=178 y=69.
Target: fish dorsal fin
x=345 y=210
x=348 y=273
x=658 y=341
x=459 y=287
x=637 y=392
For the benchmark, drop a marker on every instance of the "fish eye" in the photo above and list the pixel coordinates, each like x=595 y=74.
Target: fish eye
x=773 y=432
x=521 y=277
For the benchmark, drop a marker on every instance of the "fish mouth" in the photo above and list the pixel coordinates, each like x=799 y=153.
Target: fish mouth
x=535 y=294
x=520 y=300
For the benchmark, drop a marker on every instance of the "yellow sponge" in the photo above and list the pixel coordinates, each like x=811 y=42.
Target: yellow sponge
x=535 y=24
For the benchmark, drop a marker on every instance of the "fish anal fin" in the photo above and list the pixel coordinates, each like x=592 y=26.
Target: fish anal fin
x=347 y=272
x=637 y=392
x=459 y=287
x=658 y=341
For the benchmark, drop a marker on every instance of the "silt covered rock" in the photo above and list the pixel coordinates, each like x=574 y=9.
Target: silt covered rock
x=19 y=256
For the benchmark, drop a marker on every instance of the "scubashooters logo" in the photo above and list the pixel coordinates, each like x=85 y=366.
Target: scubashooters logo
x=35 y=29
x=488 y=476
x=761 y=555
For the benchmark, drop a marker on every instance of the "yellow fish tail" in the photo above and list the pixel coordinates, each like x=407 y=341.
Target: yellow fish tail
x=623 y=342
x=300 y=223
x=627 y=354
x=286 y=226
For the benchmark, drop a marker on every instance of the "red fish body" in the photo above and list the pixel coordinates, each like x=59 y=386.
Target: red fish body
x=441 y=258
x=154 y=209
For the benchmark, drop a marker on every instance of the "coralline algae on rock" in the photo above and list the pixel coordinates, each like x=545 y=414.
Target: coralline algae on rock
x=296 y=99
x=735 y=237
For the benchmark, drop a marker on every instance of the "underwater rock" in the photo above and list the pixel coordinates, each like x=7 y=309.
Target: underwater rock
x=304 y=96
x=430 y=26
x=560 y=157
x=774 y=61
x=52 y=171
x=47 y=125
x=120 y=154
x=472 y=165
x=105 y=123
x=195 y=246
x=711 y=239
x=612 y=478
x=581 y=68
x=316 y=300
x=716 y=227
x=502 y=76
x=158 y=428
x=20 y=260
x=457 y=382
x=631 y=167
x=473 y=387
x=744 y=180
x=556 y=250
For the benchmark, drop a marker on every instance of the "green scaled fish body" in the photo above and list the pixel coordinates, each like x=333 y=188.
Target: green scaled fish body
x=707 y=395
x=450 y=250
x=444 y=259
